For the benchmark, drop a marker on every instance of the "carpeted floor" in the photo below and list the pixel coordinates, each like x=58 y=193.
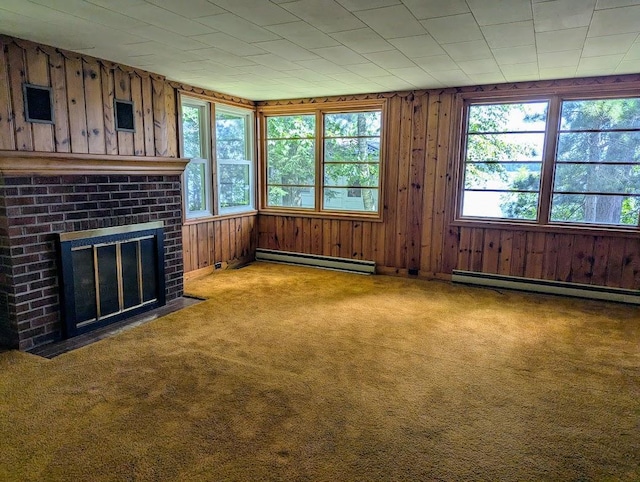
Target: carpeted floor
x=290 y=373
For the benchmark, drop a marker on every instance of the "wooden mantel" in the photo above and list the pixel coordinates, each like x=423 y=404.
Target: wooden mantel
x=20 y=163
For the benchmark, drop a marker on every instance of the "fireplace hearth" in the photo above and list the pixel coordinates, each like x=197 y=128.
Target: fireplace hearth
x=109 y=274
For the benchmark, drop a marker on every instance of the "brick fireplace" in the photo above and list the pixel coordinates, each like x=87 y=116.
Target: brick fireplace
x=35 y=208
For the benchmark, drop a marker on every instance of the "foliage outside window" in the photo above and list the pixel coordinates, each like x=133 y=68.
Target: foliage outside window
x=341 y=174
x=232 y=159
x=589 y=155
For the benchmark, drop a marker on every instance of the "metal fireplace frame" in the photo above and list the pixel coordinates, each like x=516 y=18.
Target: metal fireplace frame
x=104 y=239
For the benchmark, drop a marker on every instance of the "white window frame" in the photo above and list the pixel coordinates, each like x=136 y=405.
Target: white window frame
x=205 y=148
x=249 y=126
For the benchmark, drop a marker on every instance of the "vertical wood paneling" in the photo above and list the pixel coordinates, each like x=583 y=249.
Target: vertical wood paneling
x=38 y=74
x=108 y=110
x=317 y=236
x=17 y=77
x=402 y=189
x=57 y=72
x=138 y=118
x=391 y=180
x=123 y=92
x=77 y=106
x=95 y=117
x=7 y=140
x=147 y=114
x=159 y=117
x=416 y=179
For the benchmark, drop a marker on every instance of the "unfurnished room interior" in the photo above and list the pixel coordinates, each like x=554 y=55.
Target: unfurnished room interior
x=319 y=240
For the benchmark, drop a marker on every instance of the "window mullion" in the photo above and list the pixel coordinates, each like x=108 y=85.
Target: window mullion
x=213 y=160
x=319 y=152
x=548 y=160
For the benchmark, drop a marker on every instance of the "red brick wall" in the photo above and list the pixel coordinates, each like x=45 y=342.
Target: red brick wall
x=34 y=209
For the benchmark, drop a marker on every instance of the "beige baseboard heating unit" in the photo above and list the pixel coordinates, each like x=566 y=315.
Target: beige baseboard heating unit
x=547 y=286
x=317 y=261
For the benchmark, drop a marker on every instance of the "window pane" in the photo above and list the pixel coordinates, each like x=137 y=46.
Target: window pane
x=601 y=114
x=352 y=124
x=195 y=175
x=352 y=175
x=191 y=131
x=230 y=136
x=352 y=149
x=291 y=197
x=595 y=209
x=235 y=185
x=503 y=176
x=496 y=204
x=508 y=117
x=291 y=161
x=599 y=146
x=597 y=178
x=291 y=126
x=351 y=199
x=505 y=147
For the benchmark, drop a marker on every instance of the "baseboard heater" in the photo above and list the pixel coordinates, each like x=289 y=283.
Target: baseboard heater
x=317 y=261
x=547 y=286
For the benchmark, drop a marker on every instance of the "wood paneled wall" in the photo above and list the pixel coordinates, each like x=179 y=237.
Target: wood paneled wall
x=83 y=90
x=225 y=241
x=416 y=234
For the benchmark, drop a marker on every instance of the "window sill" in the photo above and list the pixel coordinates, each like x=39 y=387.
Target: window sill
x=219 y=217
x=631 y=231
x=348 y=216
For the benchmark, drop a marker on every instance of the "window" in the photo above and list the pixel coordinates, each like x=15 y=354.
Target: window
x=323 y=161
x=581 y=165
x=230 y=163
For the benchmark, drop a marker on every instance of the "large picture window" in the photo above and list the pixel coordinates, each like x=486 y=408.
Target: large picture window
x=553 y=161
x=323 y=161
x=221 y=180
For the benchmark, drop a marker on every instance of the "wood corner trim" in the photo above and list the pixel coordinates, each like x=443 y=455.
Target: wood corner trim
x=58 y=163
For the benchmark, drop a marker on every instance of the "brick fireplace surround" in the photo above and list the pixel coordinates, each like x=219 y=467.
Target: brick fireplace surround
x=33 y=209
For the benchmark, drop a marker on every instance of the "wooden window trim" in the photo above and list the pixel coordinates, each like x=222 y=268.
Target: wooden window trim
x=555 y=97
x=318 y=110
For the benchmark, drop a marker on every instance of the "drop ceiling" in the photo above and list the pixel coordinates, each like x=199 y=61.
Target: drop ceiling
x=261 y=49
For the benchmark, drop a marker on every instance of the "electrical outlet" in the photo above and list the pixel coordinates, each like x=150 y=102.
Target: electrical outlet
x=217 y=265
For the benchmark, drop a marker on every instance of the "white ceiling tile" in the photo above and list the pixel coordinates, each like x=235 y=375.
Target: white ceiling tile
x=259 y=12
x=40 y=12
x=455 y=28
x=391 y=59
x=367 y=70
x=515 y=71
x=452 y=77
x=628 y=67
x=562 y=14
x=509 y=34
x=436 y=63
x=608 y=45
x=117 y=5
x=326 y=15
x=160 y=35
x=602 y=4
x=308 y=74
x=615 y=21
x=264 y=71
x=362 y=40
x=303 y=34
x=474 y=50
x=286 y=49
x=190 y=9
x=490 y=12
x=487 y=78
x=557 y=40
x=605 y=61
x=515 y=55
x=554 y=60
x=229 y=44
x=225 y=58
x=340 y=55
x=272 y=61
x=348 y=78
x=354 y=5
x=557 y=73
x=423 y=9
x=391 y=22
x=633 y=53
x=417 y=46
x=235 y=26
x=483 y=66
x=93 y=13
x=594 y=73
x=165 y=19
x=323 y=66
x=415 y=75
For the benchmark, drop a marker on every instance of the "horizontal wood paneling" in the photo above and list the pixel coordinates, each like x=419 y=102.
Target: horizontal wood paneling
x=83 y=90
x=228 y=240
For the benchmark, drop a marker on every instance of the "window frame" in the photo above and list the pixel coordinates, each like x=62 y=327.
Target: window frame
x=543 y=220
x=214 y=210
x=319 y=211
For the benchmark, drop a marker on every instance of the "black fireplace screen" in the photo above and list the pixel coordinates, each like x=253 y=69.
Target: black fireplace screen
x=109 y=274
